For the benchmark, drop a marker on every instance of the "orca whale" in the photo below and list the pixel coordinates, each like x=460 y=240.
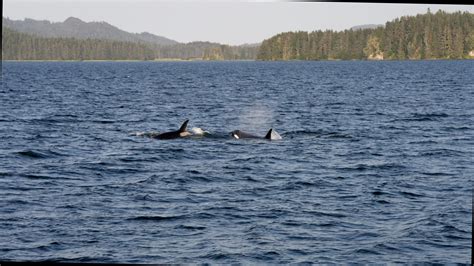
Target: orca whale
x=271 y=135
x=180 y=133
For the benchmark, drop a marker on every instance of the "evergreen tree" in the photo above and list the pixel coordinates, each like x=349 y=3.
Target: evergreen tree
x=427 y=36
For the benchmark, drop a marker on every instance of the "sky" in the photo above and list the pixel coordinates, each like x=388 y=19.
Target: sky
x=224 y=21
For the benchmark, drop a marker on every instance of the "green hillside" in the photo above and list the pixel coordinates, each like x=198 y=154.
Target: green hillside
x=428 y=36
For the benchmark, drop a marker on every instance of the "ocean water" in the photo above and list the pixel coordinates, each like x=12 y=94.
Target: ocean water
x=375 y=164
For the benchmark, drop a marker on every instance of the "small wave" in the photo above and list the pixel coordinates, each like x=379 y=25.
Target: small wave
x=330 y=214
x=32 y=154
x=249 y=159
x=298 y=252
x=292 y=223
x=39 y=154
x=18 y=201
x=218 y=256
x=316 y=133
x=420 y=117
x=430 y=115
x=411 y=194
x=453 y=229
x=200 y=178
x=194 y=172
x=76 y=259
x=386 y=247
x=367 y=251
x=149 y=179
x=436 y=174
x=175 y=150
x=33 y=176
x=250 y=179
x=456 y=128
x=382 y=166
x=190 y=227
x=134 y=160
x=271 y=254
x=336 y=135
x=379 y=193
x=300 y=184
x=143 y=197
x=327 y=224
x=303 y=133
x=47 y=246
x=50 y=120
x=335 y=103
x=423 y=142
x=238 y=167
x=103 y=121
x=444 y=152
x=157 y=218
x=457 y=238
x=436 y=244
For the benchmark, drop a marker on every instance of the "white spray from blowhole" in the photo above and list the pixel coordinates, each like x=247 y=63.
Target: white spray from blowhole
x=257 y=118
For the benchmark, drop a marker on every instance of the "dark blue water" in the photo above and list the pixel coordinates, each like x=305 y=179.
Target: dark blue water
x=375 y=164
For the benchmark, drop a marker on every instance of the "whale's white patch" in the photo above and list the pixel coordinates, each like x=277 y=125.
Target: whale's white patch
x=199 y=131
x=184 y=134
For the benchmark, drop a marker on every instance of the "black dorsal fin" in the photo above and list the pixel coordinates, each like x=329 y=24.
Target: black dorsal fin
x=269 y=134
x=183 y=126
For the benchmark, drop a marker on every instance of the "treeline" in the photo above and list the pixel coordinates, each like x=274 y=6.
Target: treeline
x=22 y=46
x=206 y=51
x=428 y=36
x=316 y=45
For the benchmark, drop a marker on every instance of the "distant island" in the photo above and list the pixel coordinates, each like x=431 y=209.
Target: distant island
x=425 y=36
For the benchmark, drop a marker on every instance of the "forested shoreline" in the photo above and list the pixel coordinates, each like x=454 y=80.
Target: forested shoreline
x=22 y=46
x=429 y=36
x=425 y=36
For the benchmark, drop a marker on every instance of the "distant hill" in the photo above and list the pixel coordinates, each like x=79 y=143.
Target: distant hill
x=76 y=28
x=23 y=46
x=366 y=26
x=251 y=44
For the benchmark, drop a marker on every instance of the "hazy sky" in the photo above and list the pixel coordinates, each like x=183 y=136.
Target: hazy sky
x=235 y=22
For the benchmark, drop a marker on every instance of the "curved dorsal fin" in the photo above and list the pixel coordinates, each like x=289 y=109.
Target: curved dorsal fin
x=269 y=134
x=183 y=126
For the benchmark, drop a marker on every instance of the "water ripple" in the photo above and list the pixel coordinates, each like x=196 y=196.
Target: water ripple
x=374 y=165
